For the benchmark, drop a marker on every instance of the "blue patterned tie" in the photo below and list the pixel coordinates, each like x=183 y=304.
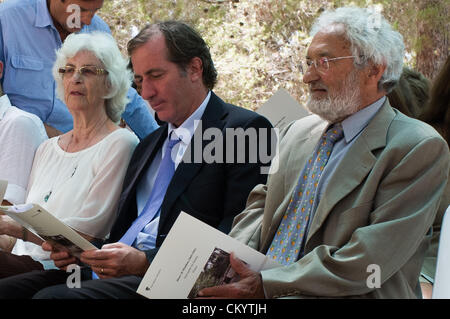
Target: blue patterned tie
x=286 y=244
x=162 y=181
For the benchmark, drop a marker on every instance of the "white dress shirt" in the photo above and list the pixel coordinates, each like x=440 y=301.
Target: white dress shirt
x=146 y=239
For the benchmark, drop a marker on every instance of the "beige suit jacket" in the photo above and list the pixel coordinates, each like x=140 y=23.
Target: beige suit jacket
x=376 y=210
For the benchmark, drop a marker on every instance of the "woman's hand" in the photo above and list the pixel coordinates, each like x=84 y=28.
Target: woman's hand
x=9 y=226
x=61 y=258
x=7 y=243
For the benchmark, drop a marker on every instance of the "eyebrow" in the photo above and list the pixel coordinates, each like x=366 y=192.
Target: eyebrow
x=85 y=9
x=321 y=55
x=70 y=64
x=149 y=72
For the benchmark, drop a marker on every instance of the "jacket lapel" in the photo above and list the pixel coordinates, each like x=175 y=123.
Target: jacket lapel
x=153 y=143
x=355 y=165
x=190 y=165
x=297 y=160
x=142 y=157
x=299 y=148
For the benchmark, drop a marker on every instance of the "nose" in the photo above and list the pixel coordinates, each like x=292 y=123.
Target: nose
x=86 y=17
x=76 y=77
x=310 y=75
x=148 y=90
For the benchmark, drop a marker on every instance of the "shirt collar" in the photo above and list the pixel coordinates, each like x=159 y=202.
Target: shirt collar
x=355 y=123
x=5 y=104
x=186 y=130
x=43 y=17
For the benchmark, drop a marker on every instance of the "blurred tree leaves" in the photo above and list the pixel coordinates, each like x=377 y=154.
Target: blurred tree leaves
x=257 y=44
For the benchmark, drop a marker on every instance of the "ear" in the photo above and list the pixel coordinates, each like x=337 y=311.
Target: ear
x=195 y=69
x=108 y=86
x=372 y=75
x=376 y=71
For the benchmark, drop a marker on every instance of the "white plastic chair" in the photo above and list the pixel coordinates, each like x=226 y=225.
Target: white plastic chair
x=441 y=288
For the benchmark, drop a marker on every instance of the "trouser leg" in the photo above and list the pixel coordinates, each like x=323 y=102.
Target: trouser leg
x=24 y=286
x=112 y=288
x=11 y=264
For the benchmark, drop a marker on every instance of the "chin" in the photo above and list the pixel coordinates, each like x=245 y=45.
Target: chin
x=332 y=110
x=162 y=116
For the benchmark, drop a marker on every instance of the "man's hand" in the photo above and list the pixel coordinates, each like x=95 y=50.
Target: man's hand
x=115 y=260
x=61 y=258
x=249 y=286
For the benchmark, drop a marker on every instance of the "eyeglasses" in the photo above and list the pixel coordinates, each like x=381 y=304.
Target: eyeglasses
x=321 y=65
x=87 y=70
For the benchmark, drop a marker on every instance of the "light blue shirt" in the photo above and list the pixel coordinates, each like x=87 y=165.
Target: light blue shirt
x=352 y=127
x=28 y=42
x=146 y=239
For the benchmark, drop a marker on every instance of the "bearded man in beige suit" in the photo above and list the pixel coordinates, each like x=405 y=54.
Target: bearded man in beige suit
x=368 y=221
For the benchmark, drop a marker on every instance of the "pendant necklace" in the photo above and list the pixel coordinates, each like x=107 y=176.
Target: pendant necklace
x=51 y=190
x=47 y=196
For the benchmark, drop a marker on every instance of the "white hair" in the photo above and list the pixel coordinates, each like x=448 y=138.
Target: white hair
x=372 y=39
x=104 y=47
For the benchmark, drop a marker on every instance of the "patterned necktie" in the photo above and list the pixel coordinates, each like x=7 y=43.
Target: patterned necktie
x=165 y=173
x=288 y=239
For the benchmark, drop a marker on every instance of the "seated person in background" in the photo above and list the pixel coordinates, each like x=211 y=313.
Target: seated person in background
x=410 y=96
x=437 y=114
x=31 y=31
x=348 y=214
x=78 y=175
x=178 y=76
x=20 y=135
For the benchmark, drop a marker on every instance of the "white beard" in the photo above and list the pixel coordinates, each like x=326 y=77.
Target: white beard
x=338 y=107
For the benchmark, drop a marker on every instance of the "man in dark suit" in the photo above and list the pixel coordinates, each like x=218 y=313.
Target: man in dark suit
x=211 y=178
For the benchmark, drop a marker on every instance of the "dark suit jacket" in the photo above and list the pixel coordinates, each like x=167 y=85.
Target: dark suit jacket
x=213 y=193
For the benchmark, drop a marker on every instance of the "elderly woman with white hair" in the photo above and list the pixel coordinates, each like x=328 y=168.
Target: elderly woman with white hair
x=78 y=176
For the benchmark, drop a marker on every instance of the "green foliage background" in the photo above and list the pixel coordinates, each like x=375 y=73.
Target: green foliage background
x=257 y=44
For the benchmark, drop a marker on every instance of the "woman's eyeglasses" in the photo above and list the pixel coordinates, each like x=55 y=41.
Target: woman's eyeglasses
x=87 y=70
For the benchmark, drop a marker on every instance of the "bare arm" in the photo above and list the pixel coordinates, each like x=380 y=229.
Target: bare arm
x=10 y=227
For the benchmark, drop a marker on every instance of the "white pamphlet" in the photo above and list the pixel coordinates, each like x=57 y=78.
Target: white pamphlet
x=46 y=226
x=193 y=256
x=282 y=109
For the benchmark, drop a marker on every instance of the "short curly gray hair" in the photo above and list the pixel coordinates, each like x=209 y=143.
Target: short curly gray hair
x=372 y=39
x=104 y=47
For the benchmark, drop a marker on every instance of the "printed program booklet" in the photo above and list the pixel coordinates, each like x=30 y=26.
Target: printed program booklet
x=193 y=256
x=46 y=226
x=282 y=109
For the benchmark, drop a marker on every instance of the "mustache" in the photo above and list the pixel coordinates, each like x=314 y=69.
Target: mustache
x=317 y=86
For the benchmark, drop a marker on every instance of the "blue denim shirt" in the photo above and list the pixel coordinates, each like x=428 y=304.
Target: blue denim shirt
x=28 y=42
